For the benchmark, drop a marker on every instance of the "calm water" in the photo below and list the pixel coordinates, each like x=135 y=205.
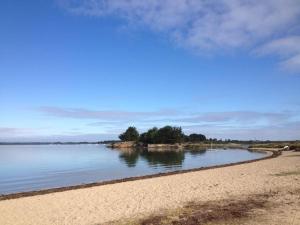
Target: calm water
x=35 y=167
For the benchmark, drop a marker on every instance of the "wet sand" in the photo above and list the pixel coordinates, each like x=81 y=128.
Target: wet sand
x=139 y=198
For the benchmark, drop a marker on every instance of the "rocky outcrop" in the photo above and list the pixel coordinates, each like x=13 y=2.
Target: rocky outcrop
x=124 y=144
x=164 y=147
x=175 y=147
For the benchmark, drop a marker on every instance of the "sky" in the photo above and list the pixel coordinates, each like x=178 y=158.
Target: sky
x=85 y=70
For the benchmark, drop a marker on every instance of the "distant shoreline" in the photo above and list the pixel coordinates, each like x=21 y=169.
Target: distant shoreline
x=54 y=143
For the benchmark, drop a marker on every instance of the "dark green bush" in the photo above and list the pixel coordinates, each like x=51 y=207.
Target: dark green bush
x=131 y=134
x=164 y=135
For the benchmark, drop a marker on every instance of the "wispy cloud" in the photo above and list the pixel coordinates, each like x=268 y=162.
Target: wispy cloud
x=284 y=131
x=6 y=131
x=108 y=115
x=239 y=117
x=117 y=117
x=19 y=134
x=15 y=133
x=287 y=48
x=58 y=137
x=107 y=124
x=227 y=124
x=209 y=26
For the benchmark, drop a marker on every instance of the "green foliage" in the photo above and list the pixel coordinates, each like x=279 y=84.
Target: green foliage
x=164 y=135
x=169 y=135
x=196 y=138
x=131 y=134
x=149 y=137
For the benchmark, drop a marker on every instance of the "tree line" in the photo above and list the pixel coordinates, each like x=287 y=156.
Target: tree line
x=164 y=135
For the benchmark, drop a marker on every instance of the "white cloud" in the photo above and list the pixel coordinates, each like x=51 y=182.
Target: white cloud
x=108 y=115
x=283 y=131
x=292 y=64
x=240 y=117
x=9 y=133
x=227 y=124
x=283 y=46
x=212 y=25
x=103 y=124
x=236 y=23
x=288 y=49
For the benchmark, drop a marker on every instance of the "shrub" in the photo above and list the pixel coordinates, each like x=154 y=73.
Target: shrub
x=131 y=134
x=196 y=138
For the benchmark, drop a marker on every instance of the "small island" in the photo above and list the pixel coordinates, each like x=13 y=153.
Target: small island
x=168 y=138
x=173 y=138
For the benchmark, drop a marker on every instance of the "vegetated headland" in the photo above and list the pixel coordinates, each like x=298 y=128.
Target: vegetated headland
x=170 y=137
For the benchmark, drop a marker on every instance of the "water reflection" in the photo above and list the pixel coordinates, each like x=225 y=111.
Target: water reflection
x=129 y=157
x=196 y=153
x=167 y=159
x=155 y=158
x=25 y=168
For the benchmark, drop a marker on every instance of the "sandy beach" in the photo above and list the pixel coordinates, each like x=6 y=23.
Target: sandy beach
x=141 y=198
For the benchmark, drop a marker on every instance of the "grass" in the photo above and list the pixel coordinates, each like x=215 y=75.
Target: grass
x=294 y=145
x=248 y=209
x=292 y=156
x=229 y=211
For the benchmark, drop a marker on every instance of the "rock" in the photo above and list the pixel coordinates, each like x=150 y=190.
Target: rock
x=124 y=144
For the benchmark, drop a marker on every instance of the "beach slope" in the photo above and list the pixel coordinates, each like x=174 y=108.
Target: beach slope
x=139 y=199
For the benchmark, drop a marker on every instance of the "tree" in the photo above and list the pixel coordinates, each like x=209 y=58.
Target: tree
x=131 y=134
x=164 y=135
x=197 y=137
x=149 y=137
x=169 y=135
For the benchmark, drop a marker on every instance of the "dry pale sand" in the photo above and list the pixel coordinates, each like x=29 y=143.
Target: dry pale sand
x=101 y=204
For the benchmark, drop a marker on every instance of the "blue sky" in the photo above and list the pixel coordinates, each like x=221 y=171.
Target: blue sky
x=85 y=70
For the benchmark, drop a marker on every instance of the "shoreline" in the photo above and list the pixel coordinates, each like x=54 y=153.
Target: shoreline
x=274 y=153
x=180 y=196
x=177 y=146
